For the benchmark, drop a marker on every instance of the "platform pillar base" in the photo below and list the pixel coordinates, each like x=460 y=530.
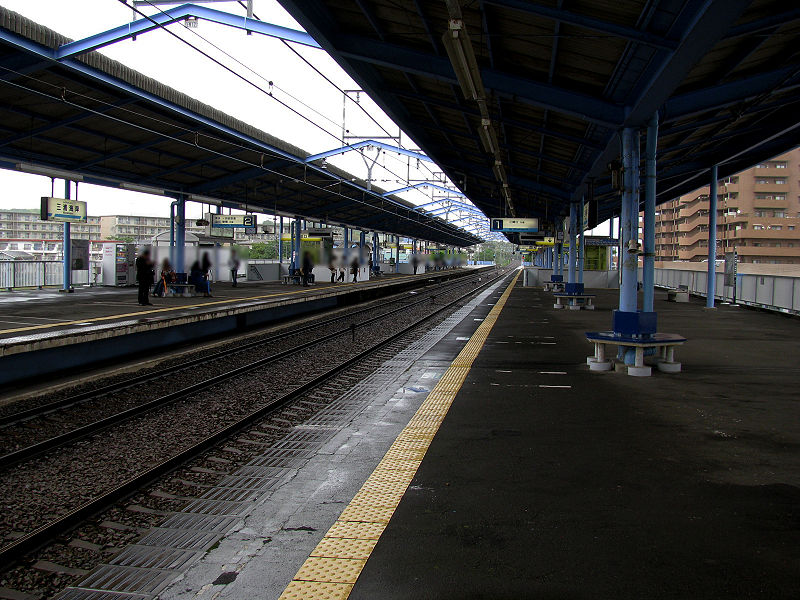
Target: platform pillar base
x=666 y=366
x=600 y=365
x=643 y=371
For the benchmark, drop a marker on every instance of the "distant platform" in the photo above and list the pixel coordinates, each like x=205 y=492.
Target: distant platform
x=109 y=323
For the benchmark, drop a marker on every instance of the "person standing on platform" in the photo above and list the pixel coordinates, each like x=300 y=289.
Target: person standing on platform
x=354 y=269
x=307 y=268
x=145 y=276
x=415 y=262
x=233 y=265
x=340 y=276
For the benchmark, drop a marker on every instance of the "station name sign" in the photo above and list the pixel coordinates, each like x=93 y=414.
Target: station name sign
x=510 y=224
x=66 y=211
x=233 y=221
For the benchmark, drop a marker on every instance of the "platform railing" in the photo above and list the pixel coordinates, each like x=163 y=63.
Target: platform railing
x=771 y=292
x=16 y=274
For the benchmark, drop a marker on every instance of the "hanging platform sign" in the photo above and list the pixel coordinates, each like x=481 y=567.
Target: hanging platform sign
x=510 y=224
x=233 y=221
x=548 y=241
x=65 y=211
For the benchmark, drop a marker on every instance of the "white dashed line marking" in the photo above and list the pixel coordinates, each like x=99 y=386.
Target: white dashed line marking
x=563 y=387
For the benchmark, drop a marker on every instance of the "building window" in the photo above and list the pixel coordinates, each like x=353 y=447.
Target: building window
x=758 y=227
x=779 y=214
x=776 y=227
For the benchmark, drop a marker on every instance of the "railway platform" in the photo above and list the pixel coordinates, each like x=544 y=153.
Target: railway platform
x=523 y=474
x=44 y=332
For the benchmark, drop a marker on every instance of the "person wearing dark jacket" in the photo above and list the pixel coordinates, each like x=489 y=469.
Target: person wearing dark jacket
x=145 y=276
x=308 y=266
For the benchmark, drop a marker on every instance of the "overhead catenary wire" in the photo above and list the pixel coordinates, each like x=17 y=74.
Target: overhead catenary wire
x=245 y=79
x=62 y=94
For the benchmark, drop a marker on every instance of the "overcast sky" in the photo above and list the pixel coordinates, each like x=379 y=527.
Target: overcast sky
x=260 y=59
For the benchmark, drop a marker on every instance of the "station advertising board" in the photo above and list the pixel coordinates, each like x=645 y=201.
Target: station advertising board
x=513 y=224
x=65 y=211
x=79 y=254
x=548 y=241
x=233 y=221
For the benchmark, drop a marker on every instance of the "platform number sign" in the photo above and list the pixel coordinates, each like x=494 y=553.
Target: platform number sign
x=509 y=224
x=233 y=221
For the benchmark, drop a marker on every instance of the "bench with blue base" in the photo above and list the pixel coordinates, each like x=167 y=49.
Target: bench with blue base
x=636 y=333
x=556 y=284
x=575 y=297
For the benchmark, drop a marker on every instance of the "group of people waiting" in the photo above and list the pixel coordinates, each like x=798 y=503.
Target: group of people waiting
x=199 y=276
x=338 y=272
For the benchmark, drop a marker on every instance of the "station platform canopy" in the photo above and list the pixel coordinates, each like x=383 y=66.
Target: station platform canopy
x=522 y=102
x=89 y=118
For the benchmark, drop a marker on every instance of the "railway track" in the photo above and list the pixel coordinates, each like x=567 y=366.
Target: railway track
x=65 y=521
x=38 y=421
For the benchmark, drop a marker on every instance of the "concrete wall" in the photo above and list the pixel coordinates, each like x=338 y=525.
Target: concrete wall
x=535 y=276
x=772 y=292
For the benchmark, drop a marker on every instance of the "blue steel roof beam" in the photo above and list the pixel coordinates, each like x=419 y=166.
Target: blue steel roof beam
x=363 y=144
x=586 y=22
x=733 y=92
x=426 y=24
x=84 y=130
x=244 y=174
x=62 y=123
x=527 y=91
x=522 y=125
x=701 y=28
x=727 y=117
x=176 y=14
x=768 y=22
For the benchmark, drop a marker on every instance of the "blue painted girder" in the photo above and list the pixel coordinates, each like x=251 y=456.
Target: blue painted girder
x=176 y=14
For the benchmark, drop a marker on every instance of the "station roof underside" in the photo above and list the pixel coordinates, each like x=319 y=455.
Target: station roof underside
x=563 y=77
x=95 y=117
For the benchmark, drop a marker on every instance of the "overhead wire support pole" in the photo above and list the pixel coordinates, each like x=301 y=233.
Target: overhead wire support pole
x=66 y=249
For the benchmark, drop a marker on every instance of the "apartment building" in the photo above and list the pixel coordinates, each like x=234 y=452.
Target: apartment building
x=24 y=224
x=758 y=216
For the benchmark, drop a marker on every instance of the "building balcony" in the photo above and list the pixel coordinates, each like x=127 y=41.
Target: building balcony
x=770 y=188
x=760 y=251
x=766 y=234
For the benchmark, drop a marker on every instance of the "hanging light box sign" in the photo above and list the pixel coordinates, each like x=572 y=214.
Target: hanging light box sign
x=65 y=211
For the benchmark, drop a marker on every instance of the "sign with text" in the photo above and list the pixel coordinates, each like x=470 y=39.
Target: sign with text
x=513 y=224
x=233 y=221
x=66 y=211
x=548 y=241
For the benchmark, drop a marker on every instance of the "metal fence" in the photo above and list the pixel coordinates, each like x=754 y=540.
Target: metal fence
x=773 y=292
x=42 y=273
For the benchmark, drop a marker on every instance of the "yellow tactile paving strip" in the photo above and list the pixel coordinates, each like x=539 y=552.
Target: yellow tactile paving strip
x=335 y=564
x=185 y=307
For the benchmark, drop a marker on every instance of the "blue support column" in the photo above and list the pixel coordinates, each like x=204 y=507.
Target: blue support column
x=280 y=242
x=346 y=244
x=648 y=275
x=397 y=254
x=630 y=215
x=292 y=264
x=573 y=242
x=581 y=244
x=362 y=240
x=298 y=227
x=712 y=239
x=66 y=247
x=180 y=235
